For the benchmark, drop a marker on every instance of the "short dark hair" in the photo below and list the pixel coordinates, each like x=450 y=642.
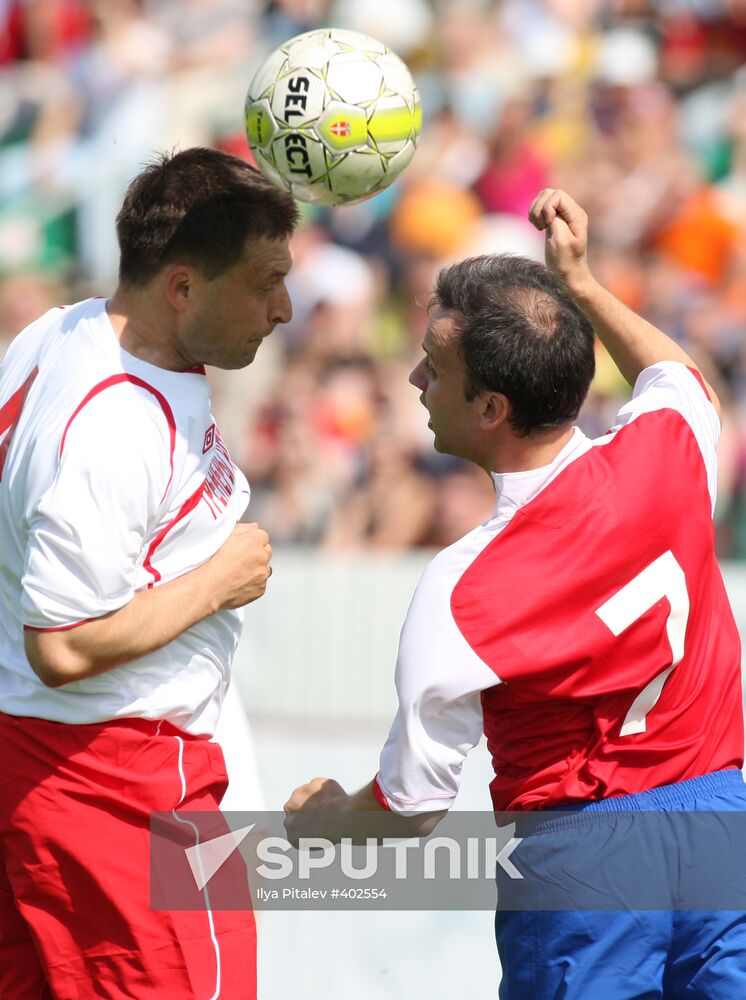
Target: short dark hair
x=199 y=206
x=521 y=334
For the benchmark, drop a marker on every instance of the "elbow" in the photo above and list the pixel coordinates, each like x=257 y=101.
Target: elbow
x=52 y=660
x=52 y=677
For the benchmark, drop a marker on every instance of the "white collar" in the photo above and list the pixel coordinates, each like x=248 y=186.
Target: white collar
x=514 y=489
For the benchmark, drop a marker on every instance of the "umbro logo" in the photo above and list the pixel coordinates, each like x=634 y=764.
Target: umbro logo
x=209 y=438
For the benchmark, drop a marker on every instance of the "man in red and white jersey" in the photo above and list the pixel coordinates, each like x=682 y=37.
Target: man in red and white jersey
x=123 y=575
x=584 y=628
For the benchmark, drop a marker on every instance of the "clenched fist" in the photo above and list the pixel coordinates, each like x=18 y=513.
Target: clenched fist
x=309 y=809
x=566 y=225
x=240 y=568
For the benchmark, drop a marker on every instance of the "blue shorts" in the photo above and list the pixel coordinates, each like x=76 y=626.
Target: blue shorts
x=627 y=953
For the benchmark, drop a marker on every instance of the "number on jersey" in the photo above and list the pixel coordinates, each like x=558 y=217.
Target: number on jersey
x=662 y=578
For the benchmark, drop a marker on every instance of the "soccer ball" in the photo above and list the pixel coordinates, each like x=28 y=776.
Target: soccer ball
x=332 y=116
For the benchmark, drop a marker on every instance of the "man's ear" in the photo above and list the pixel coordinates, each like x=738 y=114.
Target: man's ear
x=493 y=411
x=178 y=280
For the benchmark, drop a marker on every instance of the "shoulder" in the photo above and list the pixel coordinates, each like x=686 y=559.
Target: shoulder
x=442 y=574
x=671 y=424
x=120 y=433
x=673 y=375
x=120 y=406
x=672 y=385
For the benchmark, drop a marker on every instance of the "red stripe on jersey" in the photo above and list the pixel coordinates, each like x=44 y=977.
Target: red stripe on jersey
x=185 y=509
x=58 y=628
x=698 y=376
x=10 y=413
x=133 y=380
x=380 y=798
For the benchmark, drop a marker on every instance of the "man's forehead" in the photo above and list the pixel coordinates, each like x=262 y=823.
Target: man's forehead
x=442 y=330
x=267 y=256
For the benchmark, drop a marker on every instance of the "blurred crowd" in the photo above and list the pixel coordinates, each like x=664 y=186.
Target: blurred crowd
x=637 y=107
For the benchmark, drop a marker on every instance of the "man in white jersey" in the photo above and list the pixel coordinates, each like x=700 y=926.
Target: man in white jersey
x=584 y=628
x=123 y=574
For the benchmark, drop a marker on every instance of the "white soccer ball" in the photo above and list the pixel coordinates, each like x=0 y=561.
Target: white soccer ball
x=333 y=116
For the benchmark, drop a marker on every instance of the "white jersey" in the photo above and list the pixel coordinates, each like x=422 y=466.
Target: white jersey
x=113 y=479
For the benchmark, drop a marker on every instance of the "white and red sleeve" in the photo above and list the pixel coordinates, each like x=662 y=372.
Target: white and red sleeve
x=672 y=385
x=87 y=531
x=439 y=681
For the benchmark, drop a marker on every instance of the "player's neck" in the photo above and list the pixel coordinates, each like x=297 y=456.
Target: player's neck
x=517 y=454
x=142 y=329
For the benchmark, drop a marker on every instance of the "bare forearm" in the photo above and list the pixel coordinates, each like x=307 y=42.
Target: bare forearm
x=151 y=620
x=322 y=808
x=632 y=341
x=415 y=825
x=236 y=575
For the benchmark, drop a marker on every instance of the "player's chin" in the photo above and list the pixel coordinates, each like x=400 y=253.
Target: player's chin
x=247 y=355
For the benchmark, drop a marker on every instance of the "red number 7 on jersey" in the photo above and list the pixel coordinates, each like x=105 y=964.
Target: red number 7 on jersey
x=9 y=414
x=662 y=578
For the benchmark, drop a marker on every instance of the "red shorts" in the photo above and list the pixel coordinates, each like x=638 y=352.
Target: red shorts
x=75 y=916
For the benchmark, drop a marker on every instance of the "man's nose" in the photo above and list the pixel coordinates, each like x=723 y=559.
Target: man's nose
x=417 y=378
x=281 y=309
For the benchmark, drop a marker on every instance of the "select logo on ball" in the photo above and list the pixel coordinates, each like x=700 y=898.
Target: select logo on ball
x=296 y=98
x=296 y=154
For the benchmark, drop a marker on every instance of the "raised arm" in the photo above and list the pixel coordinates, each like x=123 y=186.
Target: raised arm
x=632 y=342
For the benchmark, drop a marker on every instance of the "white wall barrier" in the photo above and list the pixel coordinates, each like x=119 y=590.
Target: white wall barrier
x=322 y=641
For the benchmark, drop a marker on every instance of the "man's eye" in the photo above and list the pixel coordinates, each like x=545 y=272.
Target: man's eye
x=429 y=367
